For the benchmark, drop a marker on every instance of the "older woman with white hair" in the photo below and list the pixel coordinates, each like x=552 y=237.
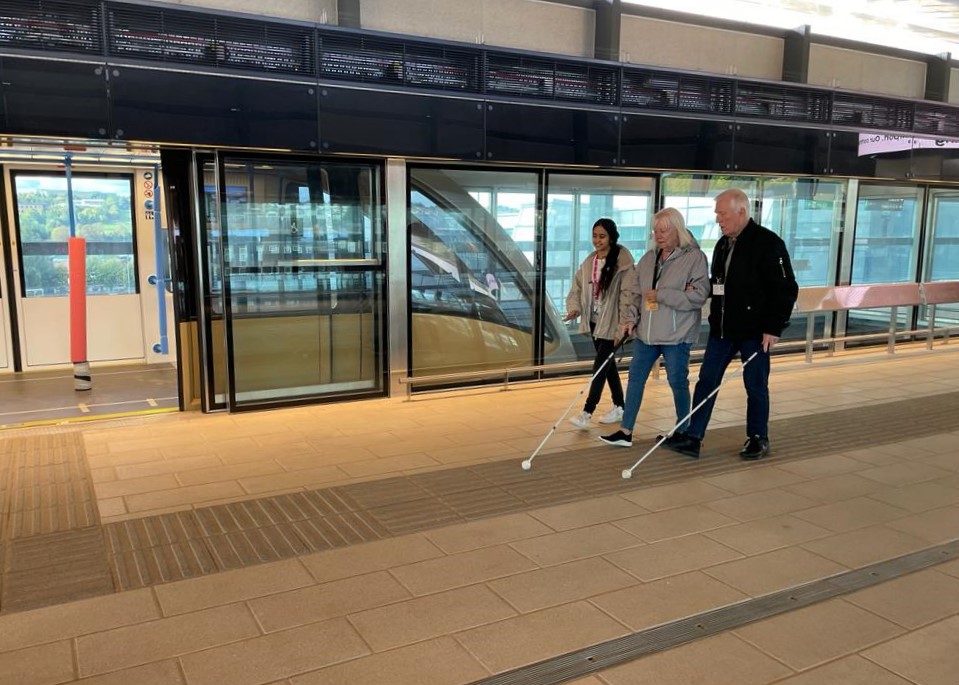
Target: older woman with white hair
x=661 y=304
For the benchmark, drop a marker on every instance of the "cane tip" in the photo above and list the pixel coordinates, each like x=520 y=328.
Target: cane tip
x=627 y=474
x=527 y=464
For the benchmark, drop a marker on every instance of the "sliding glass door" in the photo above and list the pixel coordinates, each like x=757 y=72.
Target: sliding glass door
x=303 y=279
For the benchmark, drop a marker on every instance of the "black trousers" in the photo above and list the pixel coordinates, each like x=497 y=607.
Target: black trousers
x=610 y=375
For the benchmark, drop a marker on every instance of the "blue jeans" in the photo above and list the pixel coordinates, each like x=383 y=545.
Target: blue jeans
x=719 y=353
x=677 y=373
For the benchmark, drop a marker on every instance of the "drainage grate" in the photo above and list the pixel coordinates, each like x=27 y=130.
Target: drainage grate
x=584 y=662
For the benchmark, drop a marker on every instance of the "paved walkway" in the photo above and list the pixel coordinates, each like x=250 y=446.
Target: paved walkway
x=390 y=541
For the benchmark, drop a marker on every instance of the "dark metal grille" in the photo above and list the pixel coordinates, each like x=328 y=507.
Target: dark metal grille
x=121 y=30
x=54 y=25
x=677 y=92
x=936 y=120
x=550 y=80
x=354 y=58
x=871 y=112
x=195 y=38
x=782 y=103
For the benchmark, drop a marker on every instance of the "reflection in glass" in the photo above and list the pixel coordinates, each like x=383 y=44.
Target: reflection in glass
x=303 y=275
x=574 y=203
x=472 y=282
x=885 y=249
x=210 y=237
x=887 y=241
x=694 y=194
x=807 y=214
x=942 y=261
x=103 y=215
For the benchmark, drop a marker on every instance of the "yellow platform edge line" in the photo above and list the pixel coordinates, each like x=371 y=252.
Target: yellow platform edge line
x=90 y=417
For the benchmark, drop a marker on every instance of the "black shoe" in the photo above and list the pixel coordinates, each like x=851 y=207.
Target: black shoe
x=673 y=439
x=688 y=446
x=619 y=438
x=755 y=448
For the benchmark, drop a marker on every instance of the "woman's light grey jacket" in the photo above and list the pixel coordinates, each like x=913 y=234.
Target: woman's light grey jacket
x=580 y=297
x=681 y=291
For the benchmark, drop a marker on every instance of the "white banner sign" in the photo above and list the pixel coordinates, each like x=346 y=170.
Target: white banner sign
x=878 y=143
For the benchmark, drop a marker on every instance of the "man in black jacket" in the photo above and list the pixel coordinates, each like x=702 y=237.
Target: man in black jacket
x=753 y=293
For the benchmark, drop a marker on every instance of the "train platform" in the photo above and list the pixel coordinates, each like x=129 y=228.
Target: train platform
x=394 y=541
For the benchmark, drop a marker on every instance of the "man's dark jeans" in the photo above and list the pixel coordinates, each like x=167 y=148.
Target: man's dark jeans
x=719 y=353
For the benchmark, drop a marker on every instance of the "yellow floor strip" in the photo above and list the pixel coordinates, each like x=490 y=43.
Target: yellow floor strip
x=90 y=417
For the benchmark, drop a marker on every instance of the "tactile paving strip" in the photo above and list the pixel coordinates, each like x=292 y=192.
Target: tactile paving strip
x=167 y=547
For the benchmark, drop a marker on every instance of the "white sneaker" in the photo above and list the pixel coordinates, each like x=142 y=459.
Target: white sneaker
x=612 y=416
x=581 y=420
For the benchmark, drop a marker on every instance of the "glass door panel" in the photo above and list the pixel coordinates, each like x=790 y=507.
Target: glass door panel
x=807 y=213
x=942 y=255
x=694 y=196
x=885 y=249
x=210 y=239
x=303 y=280
x=574 y=203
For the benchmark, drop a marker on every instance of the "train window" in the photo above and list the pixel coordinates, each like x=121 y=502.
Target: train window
x=103 y=215
x=473 y=285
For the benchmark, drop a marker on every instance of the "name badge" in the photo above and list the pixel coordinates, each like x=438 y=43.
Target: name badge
x=719 y=289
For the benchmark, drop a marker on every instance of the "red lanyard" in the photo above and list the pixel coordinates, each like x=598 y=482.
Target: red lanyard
x=596 y=271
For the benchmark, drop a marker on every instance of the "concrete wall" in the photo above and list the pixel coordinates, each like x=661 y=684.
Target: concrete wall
x=697 y=48
x=317 y=11
x=954 y=86
x=852 y=70
x=525 y=24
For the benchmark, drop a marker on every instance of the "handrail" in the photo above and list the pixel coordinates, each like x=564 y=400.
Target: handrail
x=811 y=301
x=410 y=381
x=830 y=299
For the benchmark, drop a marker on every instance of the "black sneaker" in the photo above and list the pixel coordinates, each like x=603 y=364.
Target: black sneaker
x=673 y=439
x=688 y=446
x=755 y=448
x=619 y=438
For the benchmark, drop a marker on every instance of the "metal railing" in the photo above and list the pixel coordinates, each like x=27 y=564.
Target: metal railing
x=811 y=301
x=832 y=299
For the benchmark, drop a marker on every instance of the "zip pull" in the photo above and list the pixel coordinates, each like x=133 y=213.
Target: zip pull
x=782 y=267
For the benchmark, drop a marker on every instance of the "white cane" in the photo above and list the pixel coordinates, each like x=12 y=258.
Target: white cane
x=628 y=473
x=528 y=462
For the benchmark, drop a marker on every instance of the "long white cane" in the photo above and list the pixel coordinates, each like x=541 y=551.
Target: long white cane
x=628 y=473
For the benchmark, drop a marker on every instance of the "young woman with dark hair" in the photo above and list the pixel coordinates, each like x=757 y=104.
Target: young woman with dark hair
x=594 y=297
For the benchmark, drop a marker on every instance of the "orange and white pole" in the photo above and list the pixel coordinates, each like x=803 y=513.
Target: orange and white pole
x=77 y=262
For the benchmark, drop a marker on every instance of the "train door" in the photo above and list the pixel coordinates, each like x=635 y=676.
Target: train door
x=295 y=277
x=114 y=211
x=5 y=271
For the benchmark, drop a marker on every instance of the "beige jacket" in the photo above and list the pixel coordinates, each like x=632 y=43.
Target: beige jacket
x=580 y=298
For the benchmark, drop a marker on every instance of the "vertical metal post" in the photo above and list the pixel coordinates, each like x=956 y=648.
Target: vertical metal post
x=894 y=315
x=930 y=333
x=810 y=333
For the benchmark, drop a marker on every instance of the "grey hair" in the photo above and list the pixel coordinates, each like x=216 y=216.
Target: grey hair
x=737 y=199
x=672 y=218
